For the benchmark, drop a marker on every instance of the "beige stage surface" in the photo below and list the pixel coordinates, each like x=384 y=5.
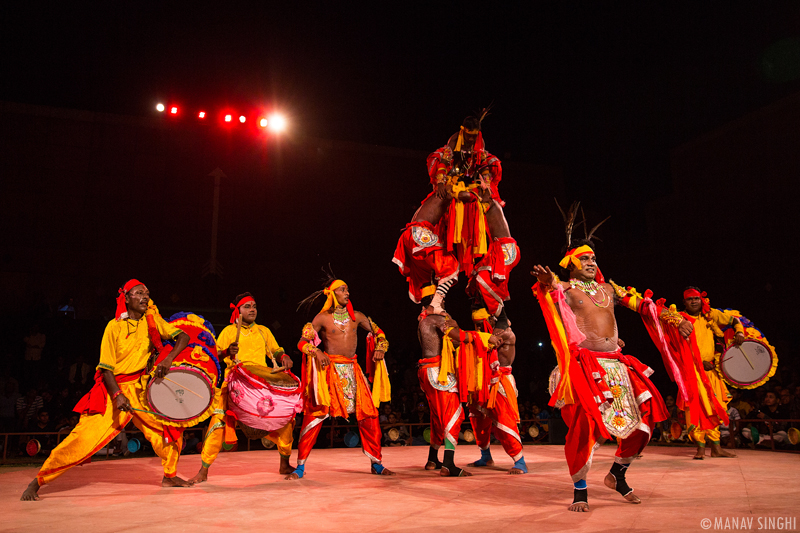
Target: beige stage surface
x=245 y=493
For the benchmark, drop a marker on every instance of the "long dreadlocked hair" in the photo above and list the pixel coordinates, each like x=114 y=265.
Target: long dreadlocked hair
x=308 y=301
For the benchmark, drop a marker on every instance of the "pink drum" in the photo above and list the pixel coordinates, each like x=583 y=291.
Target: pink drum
x=262 y=399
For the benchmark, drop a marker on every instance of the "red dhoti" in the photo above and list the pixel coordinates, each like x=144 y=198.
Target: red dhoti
x=501 y=416
x=490 y=276
x=338 y=390
x=447 y=414
x=422 y=258
x=629 y=407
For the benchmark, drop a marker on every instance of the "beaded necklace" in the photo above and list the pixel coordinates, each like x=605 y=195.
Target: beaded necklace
x=591 y=288
x=341 y=317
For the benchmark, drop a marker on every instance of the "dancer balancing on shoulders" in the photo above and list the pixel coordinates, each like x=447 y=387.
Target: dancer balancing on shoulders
x=333 y=382
x=421 y=254
x=461 y=169
x=439 y=382
x=600 y=391
x=115 y=399
x=255 y=344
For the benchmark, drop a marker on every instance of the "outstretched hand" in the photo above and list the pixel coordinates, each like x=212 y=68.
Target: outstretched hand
x=544 y=275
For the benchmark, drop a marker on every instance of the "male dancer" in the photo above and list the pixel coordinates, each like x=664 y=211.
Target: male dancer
x=464 y=166
x=603 y=392
x=255 y=344
x=708 y=406
x=490 y=276
x=333 y=382
x=115 y=399
x=441 y=388
x=501 y=414
x=420 y=253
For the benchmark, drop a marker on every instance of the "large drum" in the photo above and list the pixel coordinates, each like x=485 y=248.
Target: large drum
x=751 y=364
x=263 y=399
x=185 y=396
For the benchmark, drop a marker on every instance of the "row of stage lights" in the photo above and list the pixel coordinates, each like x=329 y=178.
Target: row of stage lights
x=275 y=122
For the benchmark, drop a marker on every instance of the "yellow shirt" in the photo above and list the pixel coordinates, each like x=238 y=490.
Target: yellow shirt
x=126 y=344
x=256 y=343
x=704 y=333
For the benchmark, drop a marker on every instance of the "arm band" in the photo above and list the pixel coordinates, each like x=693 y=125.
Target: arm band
x=671 y=316
x=381 y=344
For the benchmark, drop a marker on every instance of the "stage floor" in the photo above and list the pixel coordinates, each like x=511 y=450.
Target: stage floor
x=244 y=492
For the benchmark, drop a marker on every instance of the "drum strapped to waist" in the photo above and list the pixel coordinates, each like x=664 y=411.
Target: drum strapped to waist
x=261 y=399
x=185 y=396
x=750 y=364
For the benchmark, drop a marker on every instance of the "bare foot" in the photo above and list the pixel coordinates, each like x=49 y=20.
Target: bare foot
x=430 y=465
x=701 y=453
x=579 y=507
x=516 y=471
x=31 y=493
x=285 y=467
x=480 y=462
x=717 y=451
x=384 y=472
x=611 y=482
x=200 y=476
x=445 y=472
x=175 y=482
x=291 y=477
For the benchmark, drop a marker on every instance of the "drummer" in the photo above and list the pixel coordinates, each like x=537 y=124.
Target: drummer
x=255 y=343
x=115 y=398
x=709 y=407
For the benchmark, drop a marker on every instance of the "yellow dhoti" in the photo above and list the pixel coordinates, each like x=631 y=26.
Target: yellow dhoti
x=720 y=392
x=93 y=432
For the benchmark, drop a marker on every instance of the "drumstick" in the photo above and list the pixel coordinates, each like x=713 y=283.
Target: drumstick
x=747 y=358
x=238 y=328
x=182 y=386
x=276 y=370
x=146 y=411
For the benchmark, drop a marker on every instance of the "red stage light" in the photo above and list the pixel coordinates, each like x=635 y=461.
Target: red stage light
x=263 y=122
x=160 y=108
x=202 y=114
x=228 y=118
x=173 y=110
x=242 y=119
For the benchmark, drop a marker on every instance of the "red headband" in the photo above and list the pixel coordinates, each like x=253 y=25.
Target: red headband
x=694 y=293
x=121 y=307
x=235 y=315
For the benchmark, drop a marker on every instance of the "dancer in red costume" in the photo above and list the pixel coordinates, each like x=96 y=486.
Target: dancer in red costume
x=460 y=169
x=600 y=391
x=500 y=415
x=420 y=254
x=333 y=382
x=441 y=388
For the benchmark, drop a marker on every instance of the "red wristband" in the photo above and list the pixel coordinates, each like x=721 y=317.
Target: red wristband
x=114 y=396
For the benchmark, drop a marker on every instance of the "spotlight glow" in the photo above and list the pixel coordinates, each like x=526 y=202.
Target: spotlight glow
x=277 y=122
x=263 y=122
x=160 y=108
x=242 y=119
x=228 y=118
x=201 y=114
x=173 y=110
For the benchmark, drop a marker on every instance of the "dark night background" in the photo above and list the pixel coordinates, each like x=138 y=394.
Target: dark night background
x=681 y=121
